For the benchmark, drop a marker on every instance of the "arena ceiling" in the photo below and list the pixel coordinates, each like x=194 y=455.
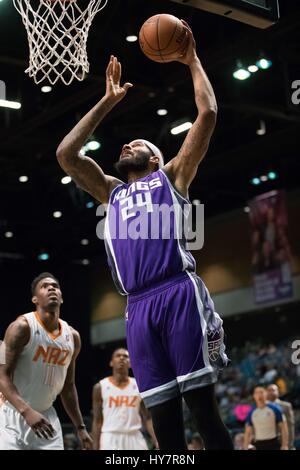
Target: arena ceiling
x=29 y=137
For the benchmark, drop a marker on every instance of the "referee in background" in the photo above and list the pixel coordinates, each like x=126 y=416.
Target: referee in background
x=287 y=410
x=262 y=424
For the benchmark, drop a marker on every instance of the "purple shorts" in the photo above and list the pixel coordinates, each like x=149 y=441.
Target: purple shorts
x=174 y=338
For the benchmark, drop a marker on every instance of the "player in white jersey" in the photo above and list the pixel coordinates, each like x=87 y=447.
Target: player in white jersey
x=118 y=410
x=40 y=355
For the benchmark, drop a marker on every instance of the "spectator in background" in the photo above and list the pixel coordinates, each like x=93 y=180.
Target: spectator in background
x=238 y=441
x=282 y=385
x=196 y=442
x=262 y=423
x=270 y=374
x=287 y=409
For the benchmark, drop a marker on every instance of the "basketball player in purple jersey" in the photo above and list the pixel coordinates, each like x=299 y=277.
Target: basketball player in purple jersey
x=174 y=336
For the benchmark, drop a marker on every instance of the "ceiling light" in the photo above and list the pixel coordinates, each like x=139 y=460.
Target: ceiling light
x=162 y=112
x=85 y=262
x=255 y=181
x=131 y=38
x=84 y=241
x=8 y=234
x=262 y=128
x=246 y=209
x=264 y=64
x=264 y=178
x=66 y=180
x=57 y=214
x=241 y=74
x=181 y=128
x=43 y=256
x=89 y=205
x=23 y=179
x=272 y=175
x=46 y=89
x=10 y=104
x=93 y=145
x=253 y=68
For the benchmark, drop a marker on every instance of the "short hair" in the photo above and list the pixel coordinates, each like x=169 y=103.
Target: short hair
x=39 y=278
x=118 y=349
x=258 y=386
x=272 y=385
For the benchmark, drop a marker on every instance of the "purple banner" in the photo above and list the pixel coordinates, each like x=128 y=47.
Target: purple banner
x=270 y=248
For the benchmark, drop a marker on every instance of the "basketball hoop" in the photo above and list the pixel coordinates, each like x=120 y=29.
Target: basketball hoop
x=57 y=32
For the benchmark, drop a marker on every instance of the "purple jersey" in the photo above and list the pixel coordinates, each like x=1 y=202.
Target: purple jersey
x=143 y=236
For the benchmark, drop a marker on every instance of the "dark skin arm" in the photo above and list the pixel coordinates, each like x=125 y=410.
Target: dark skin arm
x=182 y=169
x=16 y=337
x=146 y=418
x=97 y=415
x=84 y=170
x=247 y=436
x=69 y=397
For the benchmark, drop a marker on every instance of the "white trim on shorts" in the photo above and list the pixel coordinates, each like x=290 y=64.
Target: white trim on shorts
x=203 y=325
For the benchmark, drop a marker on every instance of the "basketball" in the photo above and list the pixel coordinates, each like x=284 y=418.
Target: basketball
x=163 y=38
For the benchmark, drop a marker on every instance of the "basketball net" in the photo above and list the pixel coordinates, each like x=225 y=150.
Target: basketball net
x=57 y=32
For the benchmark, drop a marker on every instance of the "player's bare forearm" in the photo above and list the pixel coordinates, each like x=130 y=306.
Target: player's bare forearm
x=182 y=169
x=150 y=430
x=69 y=398
x=147 y=420
x=247 y=437
x=96 y=433
x=204 y=94
x=69 y=394
x=84 y=170
x=70 y=402
x=291 y=426
x=97 y=415
x=10 y=392
x=16 y=337
x=71 y=145
x=284 y=435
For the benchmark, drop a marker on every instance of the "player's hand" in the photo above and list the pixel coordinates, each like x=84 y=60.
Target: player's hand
x=114 y=90
x=155 y=445
x=39 y=424
x=85 y=439
x=189 y=55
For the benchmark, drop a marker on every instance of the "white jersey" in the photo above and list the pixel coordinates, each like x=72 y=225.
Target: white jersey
x=120 y=407
x=42 y=366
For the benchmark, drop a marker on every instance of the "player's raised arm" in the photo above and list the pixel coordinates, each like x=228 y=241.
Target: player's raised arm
x=84 y=170
x=182 y=169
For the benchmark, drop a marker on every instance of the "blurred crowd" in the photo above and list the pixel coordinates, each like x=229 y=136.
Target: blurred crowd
x=255 y=364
